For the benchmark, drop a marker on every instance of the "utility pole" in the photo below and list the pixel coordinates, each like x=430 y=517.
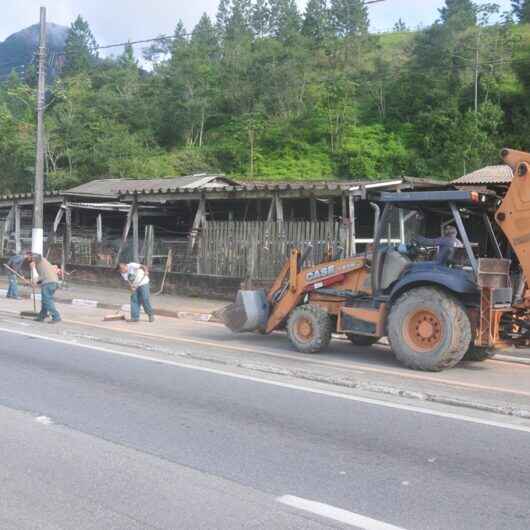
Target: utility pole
x=477 y=71
x=37 y=235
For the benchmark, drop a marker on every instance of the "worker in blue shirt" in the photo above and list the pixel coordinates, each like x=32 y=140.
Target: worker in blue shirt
x=445 y=245
x=15 y=262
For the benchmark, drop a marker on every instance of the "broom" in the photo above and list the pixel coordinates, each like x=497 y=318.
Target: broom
x=33 y=313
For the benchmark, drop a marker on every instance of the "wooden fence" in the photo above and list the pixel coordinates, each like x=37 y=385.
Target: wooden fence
x=242 y=249
x=259 y=249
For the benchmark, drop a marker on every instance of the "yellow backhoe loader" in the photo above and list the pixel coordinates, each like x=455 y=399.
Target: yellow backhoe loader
x=435 y=312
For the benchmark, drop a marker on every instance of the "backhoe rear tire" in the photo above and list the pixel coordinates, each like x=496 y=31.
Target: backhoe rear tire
x=478 y=354
x=362 y=340
x=428 y=329
x=309 y=329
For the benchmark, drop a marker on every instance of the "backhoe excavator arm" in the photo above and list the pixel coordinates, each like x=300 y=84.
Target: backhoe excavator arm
x=513 y=215
x=293 y=283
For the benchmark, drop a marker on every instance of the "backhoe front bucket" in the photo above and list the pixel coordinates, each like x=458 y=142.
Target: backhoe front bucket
x=249 y=312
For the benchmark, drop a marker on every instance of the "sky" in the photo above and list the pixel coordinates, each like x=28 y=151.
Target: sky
x=121 y=20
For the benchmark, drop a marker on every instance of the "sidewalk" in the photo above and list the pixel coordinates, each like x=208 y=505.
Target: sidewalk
x=113 y=299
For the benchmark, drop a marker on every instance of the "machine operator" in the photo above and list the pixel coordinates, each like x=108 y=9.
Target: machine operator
x=445 y=244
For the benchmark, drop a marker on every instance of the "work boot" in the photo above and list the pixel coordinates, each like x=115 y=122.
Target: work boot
x=39 y=319
x=151 y=318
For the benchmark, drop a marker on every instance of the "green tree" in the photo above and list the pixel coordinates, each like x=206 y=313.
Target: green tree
x=459 y=13
x=285 y=20
x=260 y=18
x=349 y=17
x=80 y=49
x=317 y=24
x=400 y=26
x=222 y=17
x=239 y=22
x=127 y=58
x=521 y=9
x=17 y=135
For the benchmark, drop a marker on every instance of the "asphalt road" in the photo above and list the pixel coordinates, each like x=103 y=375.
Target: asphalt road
x=91 y=439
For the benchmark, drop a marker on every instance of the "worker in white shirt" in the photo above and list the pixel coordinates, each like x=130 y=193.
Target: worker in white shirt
x=137 y=277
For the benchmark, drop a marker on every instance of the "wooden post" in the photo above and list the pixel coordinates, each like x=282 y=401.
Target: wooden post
x=272 y=208
x=200 y=217
x=99 y=228
x=7 y=226
x=58 y=219
x=331 y=218
x=136 y=243
x=279 y=208
x=149 y=243
x=67 y=244
x=125 y=234
x=281 y=227
x=18 y=246
x=313 y=208
x=344 y=207
x=351 y=203
x=252 y=256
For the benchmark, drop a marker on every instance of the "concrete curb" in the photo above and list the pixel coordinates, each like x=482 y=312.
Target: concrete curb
x=378 y=388
x=188 y=315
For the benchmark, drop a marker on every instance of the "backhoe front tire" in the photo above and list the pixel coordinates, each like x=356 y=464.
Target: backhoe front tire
x=309 y=329
x=428 y=329
x=362 y=340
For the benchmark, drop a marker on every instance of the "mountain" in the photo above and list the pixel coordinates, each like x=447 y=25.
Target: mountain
x=19 y=50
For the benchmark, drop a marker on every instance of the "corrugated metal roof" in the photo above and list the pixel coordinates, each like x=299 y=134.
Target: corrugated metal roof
x=22 y=196
x=115 y=187
x=267 y=187
x=487 y=175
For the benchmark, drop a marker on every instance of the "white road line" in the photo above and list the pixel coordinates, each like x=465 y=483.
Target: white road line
x=328 y=393
x=336 y=514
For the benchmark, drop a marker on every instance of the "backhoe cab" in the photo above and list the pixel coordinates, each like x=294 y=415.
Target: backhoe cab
x=435 y=311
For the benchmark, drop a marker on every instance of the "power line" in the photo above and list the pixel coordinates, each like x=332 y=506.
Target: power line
x=163 y=38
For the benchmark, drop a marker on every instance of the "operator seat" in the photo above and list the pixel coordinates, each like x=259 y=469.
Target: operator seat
x=393 y=266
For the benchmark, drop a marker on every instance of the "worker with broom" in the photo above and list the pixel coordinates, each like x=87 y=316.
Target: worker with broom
x=14 y=267
x=136 y=275
x=44 y=274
